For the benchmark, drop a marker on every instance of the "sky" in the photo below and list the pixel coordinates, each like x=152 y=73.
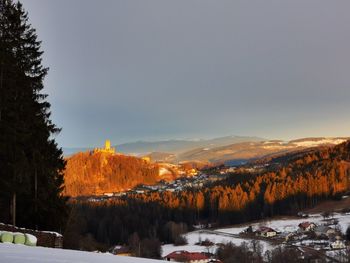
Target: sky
x=157 y=69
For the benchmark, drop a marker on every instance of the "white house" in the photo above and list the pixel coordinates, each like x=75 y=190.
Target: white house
x=338 y=244
x=265 y=232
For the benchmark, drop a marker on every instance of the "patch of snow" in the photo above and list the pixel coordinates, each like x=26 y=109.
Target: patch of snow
x=319 y=142
x=163 y=171
x=291 y=225
x=269 y=147
x=217 y=238
x=11 y=253
x=274 y=142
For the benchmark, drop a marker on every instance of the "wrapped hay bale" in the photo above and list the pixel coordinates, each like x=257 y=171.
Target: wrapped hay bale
x=30 y=240
x=19 y=238
x=6 y=237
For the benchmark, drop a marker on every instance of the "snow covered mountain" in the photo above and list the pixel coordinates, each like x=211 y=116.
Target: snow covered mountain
x=253 y=150
x=177 y=146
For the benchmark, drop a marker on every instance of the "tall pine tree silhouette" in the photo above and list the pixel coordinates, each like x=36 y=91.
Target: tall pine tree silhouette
x=31 y=164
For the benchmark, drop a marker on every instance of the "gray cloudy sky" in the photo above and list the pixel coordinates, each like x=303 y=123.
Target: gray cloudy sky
x=129 y=70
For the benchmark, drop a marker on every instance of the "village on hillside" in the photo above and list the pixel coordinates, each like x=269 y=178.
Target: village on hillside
x=175 y=177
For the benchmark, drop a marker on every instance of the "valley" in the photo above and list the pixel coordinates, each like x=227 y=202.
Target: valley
x=220 y=195
x=174 y=131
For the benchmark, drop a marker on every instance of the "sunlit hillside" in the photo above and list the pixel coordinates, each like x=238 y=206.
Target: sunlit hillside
x=92 y=173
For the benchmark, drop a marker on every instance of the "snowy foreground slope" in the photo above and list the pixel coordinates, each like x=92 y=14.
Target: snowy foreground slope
x=11 y=253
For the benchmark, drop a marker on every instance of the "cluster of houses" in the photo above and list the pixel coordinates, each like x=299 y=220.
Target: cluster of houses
x=224 y=170
x=308 y=233
x=176 y=256
x=227 y=170
x=173 y=186
x=177 y=185
x=183 y=183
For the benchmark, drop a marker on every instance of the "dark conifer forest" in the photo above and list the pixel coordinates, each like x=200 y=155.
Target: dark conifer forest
x=31 y=163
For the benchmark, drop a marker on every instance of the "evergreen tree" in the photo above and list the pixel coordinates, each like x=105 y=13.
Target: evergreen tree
x=31 y=164
x=347 y=234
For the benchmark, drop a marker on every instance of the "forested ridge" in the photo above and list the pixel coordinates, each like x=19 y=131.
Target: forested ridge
x=91 y=173
x=302 y=182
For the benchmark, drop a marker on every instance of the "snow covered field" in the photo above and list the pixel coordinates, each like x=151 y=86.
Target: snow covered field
x=222 y=235
x=11 y=253
x=290 y=225
x=196 y=236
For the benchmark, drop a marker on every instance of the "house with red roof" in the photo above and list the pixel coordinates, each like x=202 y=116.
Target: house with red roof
x=187 y=257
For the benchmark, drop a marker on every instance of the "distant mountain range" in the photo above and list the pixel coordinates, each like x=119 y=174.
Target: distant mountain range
x=230 y=149
x=68 y=151
x=246 y=151
x=170 y=146
x=179 y=146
